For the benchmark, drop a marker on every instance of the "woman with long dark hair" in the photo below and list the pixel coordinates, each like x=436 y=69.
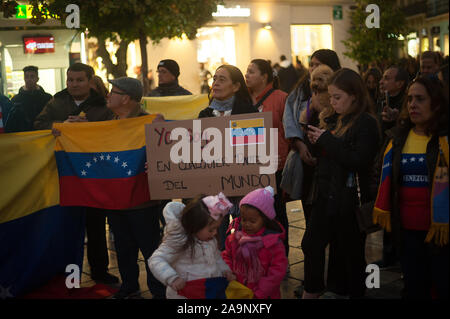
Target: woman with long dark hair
x=348 y=140
x=412 y=200
x=267 y=97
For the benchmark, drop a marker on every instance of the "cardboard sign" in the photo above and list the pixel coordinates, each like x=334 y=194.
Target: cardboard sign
x=231 y=154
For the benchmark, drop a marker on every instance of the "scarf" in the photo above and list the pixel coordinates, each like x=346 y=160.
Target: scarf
x=222 y=106
x=247 y=262
x=439 y=230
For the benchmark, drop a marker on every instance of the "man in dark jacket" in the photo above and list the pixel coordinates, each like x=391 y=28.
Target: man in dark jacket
x=288 y=75
x=28 y=103
x=168 y=72
x=393 y=85
x=5 y=106
x=77 y=103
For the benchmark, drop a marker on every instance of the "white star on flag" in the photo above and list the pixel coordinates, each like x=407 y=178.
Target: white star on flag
x=83 y=173
x=124 y=164
x=88 y=164
x=413 y=159
x=404 y=161
x=102 y=157
x=108 y=157
x=421 y=159
x=116 y=159
x=95 y=159
x=129 y=172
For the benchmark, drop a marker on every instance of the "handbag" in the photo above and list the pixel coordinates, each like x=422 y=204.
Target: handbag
x=364 y=213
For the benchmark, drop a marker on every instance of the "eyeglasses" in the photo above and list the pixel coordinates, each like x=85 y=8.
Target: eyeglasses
x=120 y=93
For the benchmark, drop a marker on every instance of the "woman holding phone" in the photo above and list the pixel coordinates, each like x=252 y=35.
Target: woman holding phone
x=347 y=143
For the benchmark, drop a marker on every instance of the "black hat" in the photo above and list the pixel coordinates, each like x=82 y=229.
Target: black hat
x=170 y=65
x=132 y=87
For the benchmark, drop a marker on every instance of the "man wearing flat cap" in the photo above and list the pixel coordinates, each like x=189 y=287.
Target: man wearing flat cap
x=136 y=228
x=168 y=72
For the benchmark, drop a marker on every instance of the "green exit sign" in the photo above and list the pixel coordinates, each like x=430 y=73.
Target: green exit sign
x=23 y=11
x=337 y=12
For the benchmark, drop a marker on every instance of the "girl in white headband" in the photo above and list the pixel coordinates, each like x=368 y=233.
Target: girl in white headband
x=189 y=249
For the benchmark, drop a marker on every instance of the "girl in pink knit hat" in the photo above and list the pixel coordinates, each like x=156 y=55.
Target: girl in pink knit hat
x=255 y=251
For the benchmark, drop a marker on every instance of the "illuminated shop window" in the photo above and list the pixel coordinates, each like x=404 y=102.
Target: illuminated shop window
x=216 y=46
x=413 y=44
x=446 y=50
x=425 y=44
x=305 y=39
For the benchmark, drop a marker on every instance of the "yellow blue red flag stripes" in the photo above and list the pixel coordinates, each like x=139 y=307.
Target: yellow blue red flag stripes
x=215 y=288
x=101 y=164
x=185 y=107
x=29 y=179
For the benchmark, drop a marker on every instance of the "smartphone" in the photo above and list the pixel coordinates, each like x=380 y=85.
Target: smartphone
x=305 y=125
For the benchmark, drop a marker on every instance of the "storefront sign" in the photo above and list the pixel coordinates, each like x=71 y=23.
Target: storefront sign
x=39 y=44
x=231 y=12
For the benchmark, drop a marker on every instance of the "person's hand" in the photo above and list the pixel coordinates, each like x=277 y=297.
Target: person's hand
x=305 y=155
x=178 y=284
x=75 y=118
x=159 y=118
x=56 y=132
x=229 y=275
x=388 y=114
x=314 y=133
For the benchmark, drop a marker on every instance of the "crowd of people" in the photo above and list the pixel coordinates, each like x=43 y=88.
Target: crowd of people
x=379 y=136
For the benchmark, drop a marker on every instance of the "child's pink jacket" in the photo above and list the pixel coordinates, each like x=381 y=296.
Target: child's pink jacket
x=272 y=257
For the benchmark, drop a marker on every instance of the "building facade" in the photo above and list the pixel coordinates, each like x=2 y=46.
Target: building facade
x=246 y=30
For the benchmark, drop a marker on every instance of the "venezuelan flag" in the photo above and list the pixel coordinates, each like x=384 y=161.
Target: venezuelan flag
x=101 y=164
x=245 y=132
x=174 y=108
x=38 y=237
x=215 y=288
x=383 y=201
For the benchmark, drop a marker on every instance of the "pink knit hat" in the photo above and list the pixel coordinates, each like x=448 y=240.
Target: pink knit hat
x=261 y=198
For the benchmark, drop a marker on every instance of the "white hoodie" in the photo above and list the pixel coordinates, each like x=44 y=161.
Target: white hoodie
x=168 y=263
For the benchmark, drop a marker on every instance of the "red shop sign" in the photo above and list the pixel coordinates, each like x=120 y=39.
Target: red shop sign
x=39 y=44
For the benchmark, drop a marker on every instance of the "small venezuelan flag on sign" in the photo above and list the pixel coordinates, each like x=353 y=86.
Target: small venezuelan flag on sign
x=101 y=164
x=215 y=288
x=246 y=132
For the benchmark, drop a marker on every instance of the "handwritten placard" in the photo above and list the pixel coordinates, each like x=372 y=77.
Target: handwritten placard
x=233 y=154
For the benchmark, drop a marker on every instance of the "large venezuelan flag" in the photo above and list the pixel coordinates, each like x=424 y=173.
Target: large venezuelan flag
x=102 y=164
